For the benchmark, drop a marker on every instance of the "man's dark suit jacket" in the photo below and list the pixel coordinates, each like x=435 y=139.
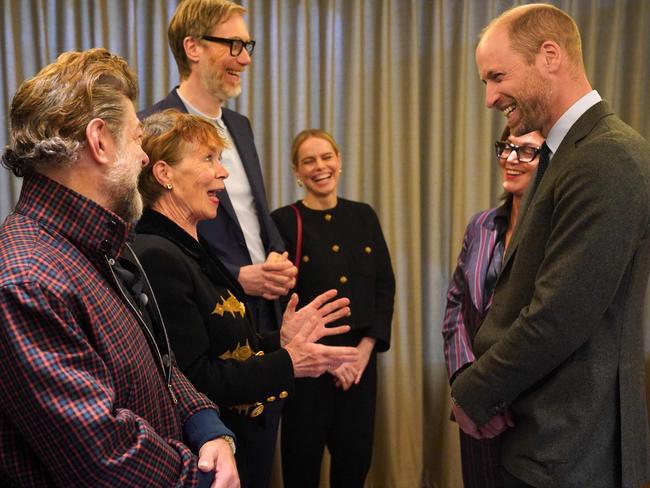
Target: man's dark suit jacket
x=562 y=344
x=224 y=232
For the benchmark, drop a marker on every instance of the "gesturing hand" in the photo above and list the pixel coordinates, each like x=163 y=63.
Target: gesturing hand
x=321 y=310
x=301 y=329
x=310 y=359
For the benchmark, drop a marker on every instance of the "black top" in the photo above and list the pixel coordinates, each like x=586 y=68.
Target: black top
x=207 y=319
x=224 y=232
x=344 y=248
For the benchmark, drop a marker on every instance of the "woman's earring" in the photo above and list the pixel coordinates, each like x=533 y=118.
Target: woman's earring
x=169 y=186
x=299 y=181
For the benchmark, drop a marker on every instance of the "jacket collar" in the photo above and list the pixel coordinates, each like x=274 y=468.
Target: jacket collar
x=498 y=217
x=155 y=223
x=580 y=129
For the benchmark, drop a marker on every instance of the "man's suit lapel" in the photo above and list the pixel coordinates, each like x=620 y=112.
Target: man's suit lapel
x=174 y=101
x=242 y=139
x=583 y=126
x=514 y=240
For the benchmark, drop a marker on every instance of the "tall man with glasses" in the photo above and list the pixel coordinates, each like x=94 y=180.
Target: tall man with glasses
x=562 y=345
x=212 y=48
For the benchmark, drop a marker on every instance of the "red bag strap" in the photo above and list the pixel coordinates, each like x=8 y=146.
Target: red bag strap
x=298 y=235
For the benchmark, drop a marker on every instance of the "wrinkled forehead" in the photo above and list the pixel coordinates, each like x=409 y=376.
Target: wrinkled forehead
x=493 y=52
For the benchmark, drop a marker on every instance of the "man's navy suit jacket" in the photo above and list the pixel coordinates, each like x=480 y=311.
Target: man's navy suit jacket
x=224 y=232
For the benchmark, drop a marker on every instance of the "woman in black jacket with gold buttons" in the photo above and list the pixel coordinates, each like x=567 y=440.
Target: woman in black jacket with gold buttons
x=336 y=243
x=204 y=307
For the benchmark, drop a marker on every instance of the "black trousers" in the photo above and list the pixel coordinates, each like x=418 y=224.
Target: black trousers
x=319 y=414
x=256 y=439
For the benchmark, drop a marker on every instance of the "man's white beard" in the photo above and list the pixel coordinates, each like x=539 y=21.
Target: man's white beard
x=121 y=187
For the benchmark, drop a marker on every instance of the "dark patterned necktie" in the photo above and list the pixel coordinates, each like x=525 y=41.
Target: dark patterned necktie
x=544 y=159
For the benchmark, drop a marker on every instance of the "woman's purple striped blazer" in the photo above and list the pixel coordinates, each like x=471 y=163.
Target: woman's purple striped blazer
x=467 y=304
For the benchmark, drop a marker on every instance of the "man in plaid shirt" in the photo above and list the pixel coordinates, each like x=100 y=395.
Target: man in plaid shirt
x=90 y=395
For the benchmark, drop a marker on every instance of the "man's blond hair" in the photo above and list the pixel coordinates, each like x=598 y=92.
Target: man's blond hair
x=529 y=26
x=196 y=18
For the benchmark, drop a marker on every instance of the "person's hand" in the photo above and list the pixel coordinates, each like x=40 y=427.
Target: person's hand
x=310 y=359
x=270 y=279
x=351 y=373
x=495 y=426
x=322 y=309
x=216 y=455
x=465 y=423
x=344 y=376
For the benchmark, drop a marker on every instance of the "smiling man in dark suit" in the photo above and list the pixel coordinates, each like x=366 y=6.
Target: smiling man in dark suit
x=560 y=368
x=212 y=48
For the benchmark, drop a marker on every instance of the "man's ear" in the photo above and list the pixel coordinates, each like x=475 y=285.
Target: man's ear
x=551 y=55
x=99 y=140
x=191 y=46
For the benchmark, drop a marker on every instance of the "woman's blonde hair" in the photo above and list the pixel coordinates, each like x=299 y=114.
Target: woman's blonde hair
x=306 y=134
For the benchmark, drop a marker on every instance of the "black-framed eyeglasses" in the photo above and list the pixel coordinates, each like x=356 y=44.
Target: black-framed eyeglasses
x=236 y=45
x=525 y=154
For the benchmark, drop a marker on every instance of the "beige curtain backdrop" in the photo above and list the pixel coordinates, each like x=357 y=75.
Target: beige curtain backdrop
x=395 y=82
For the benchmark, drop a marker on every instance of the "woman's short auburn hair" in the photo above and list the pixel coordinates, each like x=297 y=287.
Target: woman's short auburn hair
x=168 y=136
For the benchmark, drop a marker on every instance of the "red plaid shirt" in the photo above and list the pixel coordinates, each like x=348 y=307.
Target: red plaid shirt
x=82 y=400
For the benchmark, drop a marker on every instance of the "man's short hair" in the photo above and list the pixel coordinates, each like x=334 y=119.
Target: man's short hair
x=530 y=25
x=50 y=112
x=196 y=18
